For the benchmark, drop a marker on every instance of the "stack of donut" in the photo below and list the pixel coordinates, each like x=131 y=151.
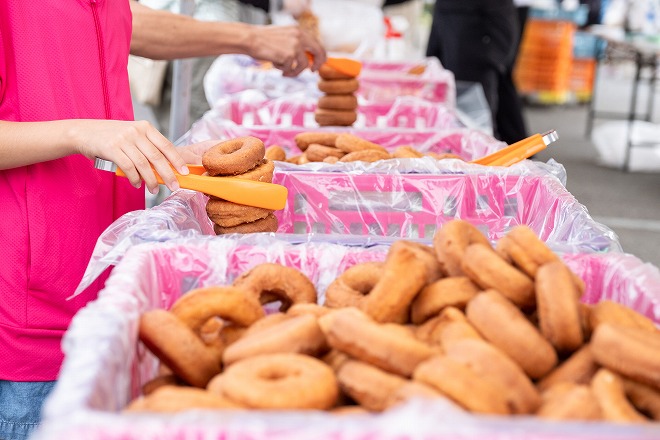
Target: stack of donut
x=486 y=330
x=241 y=157
x=338 y=106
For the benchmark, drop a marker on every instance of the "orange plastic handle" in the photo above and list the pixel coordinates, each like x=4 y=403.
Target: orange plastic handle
x=242 y=191
x=344 y=65
x=514 y=153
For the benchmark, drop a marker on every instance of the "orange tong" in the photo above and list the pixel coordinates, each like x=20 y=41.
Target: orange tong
x=519 y=151
x=344 y=65
x=242 y=191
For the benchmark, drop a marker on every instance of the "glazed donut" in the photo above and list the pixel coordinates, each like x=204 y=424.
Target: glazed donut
x=266 y=224
x=339 y=86
x=339 y=118
x=263 y=172
x=170 y=399
x=234 y=156
x=228 y=214
x=365 y=156
x=507 y=328
x=404 y=275
x=489 y=271
x=354 y=333
x=488 y=361
x=450 y=243
x=557 y=306
x=307 y=309
x=610 y=312
x=465 y=387
x=630 y=351
x=281 y=381
x=178 y=347
x=330 y=73
x=442 y=156
x=643 y=397
x=579 y=368
x=350 y=143
x=299 y=334
x=331 y=159
x=338 y=102
x=449 y=327
x=303 y=140
x=610 y=393
x=318 y=152
x=286 y=284
x=275 y=152
x=349 y=289
x=367 y=385
x=569 y=401
x=406 y=152
x=446 y=292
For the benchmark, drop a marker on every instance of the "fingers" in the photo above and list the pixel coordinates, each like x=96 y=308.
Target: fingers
x=126 y=165
x=167 y=149
x=143 y=167
x=313 y=46
x=159 y=162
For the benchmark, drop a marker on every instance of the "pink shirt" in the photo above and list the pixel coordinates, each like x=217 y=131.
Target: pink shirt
x=59 y=59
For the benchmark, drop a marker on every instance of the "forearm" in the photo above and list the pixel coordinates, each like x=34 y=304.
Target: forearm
x=164 y=35
x=26 y=143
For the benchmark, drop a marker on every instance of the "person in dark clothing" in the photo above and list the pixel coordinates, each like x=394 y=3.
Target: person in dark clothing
x=478 y=41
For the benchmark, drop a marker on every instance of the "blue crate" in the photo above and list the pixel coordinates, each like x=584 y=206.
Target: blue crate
x=578 y=16
x=586 y=45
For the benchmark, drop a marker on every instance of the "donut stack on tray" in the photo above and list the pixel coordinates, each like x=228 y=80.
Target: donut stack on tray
x=338 y=106
x=244 y=158
x=486 y=330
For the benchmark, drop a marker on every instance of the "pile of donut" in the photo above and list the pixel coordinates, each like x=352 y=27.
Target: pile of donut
x=240 y=157
x=338 y=105
x=345 y=147
x=491 y=330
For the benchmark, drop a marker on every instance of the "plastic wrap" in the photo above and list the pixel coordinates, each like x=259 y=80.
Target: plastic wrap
x=380 y=202
x=104 y=367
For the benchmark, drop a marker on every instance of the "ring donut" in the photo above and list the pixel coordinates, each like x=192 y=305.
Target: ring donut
x=338 y=102
x=643 y=397
x=449 y=327
x=416 y=390
x=281 y=381
x=349 y=289
x=349 y=143
x=442 y=156
x=331 y=159
x=365 y=156
x=406 y=152
x=263 y=172
x=228 y=214
x=235 y=156
x=171 y=399
x=307 y=309
x=275 y=152
x=451 y=241
x=266 y=224
x=303 y=140
x=270 y=280
x=611 y=395
x=579 y=368
x=610 y=312
x=568 y=401
x=330 y=73
x=339 y=86
x=338 y=118
x=367 y=385
x=446 y=292
x=318 y=152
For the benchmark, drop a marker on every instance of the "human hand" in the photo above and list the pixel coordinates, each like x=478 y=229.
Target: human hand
x=192 y=153
x=135 y=146
x=296 y=7
x=286 y=47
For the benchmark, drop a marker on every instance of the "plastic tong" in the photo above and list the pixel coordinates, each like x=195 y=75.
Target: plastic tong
x=519 y=151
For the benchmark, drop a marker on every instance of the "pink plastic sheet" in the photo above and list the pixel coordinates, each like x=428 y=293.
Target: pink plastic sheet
x=105 y=367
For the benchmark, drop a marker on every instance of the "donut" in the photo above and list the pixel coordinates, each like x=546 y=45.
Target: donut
x=266 y=224
x=263 y=172
x=302 y=160
x=610 y=312
x=442 y=156
x=318 y=152
x=275 y=152
x=160 y=381
x=211 y=334
x=465 y=387
x=303 y=140
x=630 y=351
x=338 y=102
x=171 y=399
x=281 y=381
x=266 y=322
x=349 y=410
x=428 y=258
x=307 y=309
x=349 y=143
x=506 y=327
x=610 y=393
x=234 y=156
x=569 y=401
x=557 y=306
x=446 y=292
x=579 y=368
x=406 y=152
x=450 y=243
x=487 y=361
x=294 y=159
x=365 y=156
x=328 y=72
x=338 y=86
x=354 y=333
x=335 y=359
x=339 y=118
x=448 y=327
x=178 y=347
x=643 y=397
x=286 y=284
x=349 y=289
x=490 y=271
x=367 y=385
x=331 y=159
x=228 y=214
x=299 y=334
x=416 y=390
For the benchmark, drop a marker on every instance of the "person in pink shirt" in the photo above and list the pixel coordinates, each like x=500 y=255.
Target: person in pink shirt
x=64 y=100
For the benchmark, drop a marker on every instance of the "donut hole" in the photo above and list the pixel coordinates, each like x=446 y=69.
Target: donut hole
x=278 y=373
x=275 y=300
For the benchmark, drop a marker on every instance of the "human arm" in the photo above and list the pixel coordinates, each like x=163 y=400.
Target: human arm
x=164 y=35
x=133 y=145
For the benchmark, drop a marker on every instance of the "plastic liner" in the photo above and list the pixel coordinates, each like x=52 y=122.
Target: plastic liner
x=105 y=367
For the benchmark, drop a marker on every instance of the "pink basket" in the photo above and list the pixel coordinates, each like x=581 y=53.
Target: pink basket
x=94 y=384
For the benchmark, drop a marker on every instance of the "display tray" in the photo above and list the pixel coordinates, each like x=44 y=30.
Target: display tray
x=105 y=367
